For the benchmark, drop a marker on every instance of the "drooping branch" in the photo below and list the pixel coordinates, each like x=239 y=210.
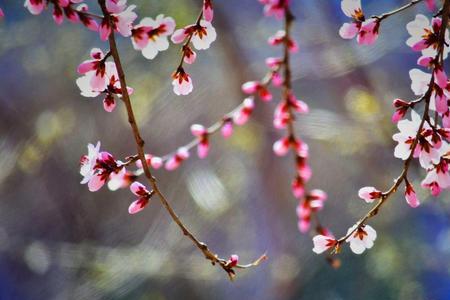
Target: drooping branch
x=226 y=265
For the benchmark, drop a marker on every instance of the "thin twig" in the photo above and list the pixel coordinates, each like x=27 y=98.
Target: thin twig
x=396 y=11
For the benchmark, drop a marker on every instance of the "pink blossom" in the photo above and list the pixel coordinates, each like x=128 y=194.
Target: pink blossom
x=273 y=62
x=280 y=38
x=368 y=33
x=401 y=109
x=410 y=195
x=361 y=239
x=153 y=161
x=2 y=14
x=227 y=128
x=120 y=179
x=150 y=36
x=298 y=187
x=122 y=23
x=35 y=7
x=369 y=194
x=96 y=167
x=182 y=82
x=208 y=12
x=281 y=147
x=253 y=87
x=274 y=8
x=233 y=260
x=144 y=195
x=116 y=6
x=202 y=34
x=438 y=176
x=424 y=36
x=322 y=243
x=203 y=142
x=241 y=116
x=189 y=55
x=431 y=5
x=175 y=161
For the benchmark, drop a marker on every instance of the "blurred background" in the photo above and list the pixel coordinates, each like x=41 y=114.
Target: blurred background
x=59 y=241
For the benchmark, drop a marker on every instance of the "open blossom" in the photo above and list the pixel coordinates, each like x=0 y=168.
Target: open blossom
x=96 y=67
x=426 y=152
x=144 y=195
x=438 y=176
x=175 y=161
x=323 y=242
x=202 y=134
x=121 y=22
x=253 y=87
x=203 y=34
x=96 y=167
x=420 y=83
x=241 y=116
x=369 y=194
x=279 y=39
x=208 y=12
x=366 y=31
x=100 y=77
x=361 y=239
x=182 y=82
x=151 y=36
x=425 y=36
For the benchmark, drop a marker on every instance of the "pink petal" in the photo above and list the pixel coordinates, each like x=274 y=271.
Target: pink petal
x=138 y=205
x=96 y=183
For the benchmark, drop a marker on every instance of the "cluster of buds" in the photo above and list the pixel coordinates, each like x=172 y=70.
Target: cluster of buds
x=200 y=35
x=61 y=8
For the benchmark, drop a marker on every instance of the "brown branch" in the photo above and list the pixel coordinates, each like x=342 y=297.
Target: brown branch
x=214 y=258
x=396 y=11
x=404 y=174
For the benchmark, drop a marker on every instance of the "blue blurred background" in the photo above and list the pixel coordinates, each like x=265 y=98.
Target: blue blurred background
x=59 y=241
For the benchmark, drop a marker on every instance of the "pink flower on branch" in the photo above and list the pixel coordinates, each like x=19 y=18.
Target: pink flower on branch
x=151 y=36
x=366 y=31
x=144 y=196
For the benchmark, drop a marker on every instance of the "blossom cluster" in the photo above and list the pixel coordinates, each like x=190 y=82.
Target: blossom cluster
x=421 y=137
x=150 y=36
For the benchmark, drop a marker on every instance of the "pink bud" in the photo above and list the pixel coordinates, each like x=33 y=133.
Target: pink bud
x=281 y=147
x=233 y=261
x=410 y=196
x=227 y=128
x=369 y=194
